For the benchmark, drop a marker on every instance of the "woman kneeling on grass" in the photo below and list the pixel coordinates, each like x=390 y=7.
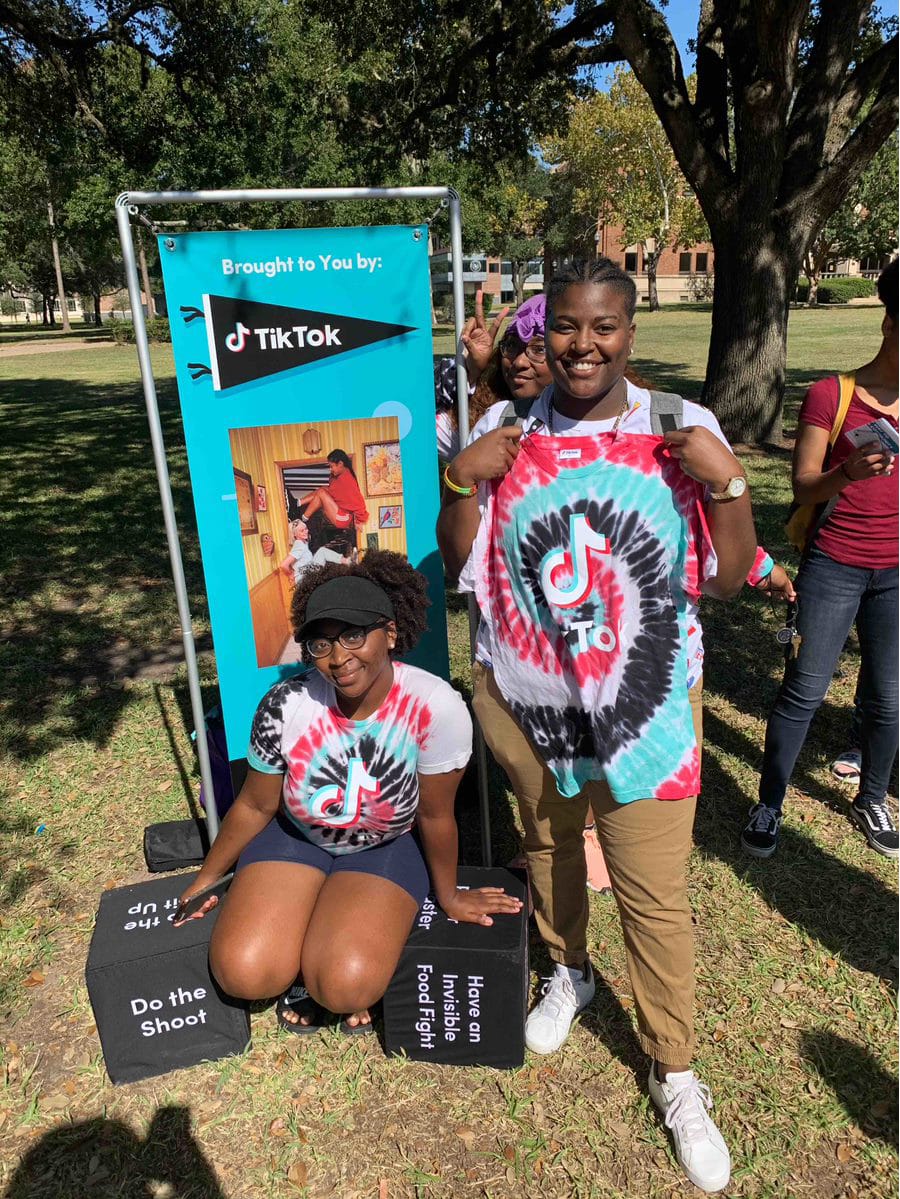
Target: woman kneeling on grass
x=344 y=760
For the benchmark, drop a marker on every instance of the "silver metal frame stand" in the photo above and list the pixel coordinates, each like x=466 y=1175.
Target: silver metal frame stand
x=128 y=205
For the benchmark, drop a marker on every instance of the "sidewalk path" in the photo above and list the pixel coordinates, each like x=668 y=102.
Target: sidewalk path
x=51 y=347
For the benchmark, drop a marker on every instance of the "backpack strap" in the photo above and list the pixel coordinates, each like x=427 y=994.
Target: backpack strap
x=847 y=384
x=666 y=412
x=515 y=413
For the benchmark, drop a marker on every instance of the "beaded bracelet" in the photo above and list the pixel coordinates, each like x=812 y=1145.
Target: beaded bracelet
x=467 y=491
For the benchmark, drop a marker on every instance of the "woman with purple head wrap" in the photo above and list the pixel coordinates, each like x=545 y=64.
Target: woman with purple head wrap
x=513 y=369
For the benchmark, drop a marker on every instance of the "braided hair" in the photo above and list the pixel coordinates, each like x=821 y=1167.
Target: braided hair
x=600 y=270
x=403 y=584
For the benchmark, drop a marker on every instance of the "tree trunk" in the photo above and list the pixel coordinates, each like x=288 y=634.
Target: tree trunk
x=145 y=279
x=548 y=266
x=812 y=299
x=651 y=261
x=755 y=272
x=430 y=282
x=519 y=271
x=98 y=320
x=57 y=266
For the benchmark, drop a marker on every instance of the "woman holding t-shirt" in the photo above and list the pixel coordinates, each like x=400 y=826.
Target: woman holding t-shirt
x=848 y=575
x=587 y=538
x=343 y=762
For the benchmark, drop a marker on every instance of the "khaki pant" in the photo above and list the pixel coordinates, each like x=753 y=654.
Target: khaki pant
x=646 y=845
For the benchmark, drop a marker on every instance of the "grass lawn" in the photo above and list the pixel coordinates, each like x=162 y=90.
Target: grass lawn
x=796 y=956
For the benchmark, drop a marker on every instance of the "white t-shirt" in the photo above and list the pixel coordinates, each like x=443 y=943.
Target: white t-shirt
x=352 y=784
x=635 y=420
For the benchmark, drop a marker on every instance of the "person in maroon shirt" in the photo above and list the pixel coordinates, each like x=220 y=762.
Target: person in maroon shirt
x=341 y=501
x=848 y=574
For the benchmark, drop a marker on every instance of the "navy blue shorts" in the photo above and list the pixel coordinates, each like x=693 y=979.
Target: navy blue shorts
x=399 y=861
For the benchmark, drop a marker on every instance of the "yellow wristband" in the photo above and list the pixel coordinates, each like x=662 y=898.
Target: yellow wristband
x=467 y=491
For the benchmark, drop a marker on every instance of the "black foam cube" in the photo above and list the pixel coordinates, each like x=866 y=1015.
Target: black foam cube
x=156 y=1005
x=459 y=993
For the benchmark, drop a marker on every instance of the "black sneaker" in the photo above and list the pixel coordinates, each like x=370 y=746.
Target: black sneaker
x=760 y=837
x=876 y=822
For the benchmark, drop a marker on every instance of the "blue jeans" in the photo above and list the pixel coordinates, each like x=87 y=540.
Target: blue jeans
x=830 y=598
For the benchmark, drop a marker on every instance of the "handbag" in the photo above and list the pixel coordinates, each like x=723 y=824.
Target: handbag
x=804 y=520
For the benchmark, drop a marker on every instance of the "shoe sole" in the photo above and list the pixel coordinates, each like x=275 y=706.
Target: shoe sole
x=852 y=778
x=755 y=852
x=864 y=829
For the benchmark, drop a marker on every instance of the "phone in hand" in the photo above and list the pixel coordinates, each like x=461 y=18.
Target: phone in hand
x=879 y=431
x=188 y=907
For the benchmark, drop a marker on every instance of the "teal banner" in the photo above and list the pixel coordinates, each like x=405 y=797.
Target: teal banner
x=304 y=367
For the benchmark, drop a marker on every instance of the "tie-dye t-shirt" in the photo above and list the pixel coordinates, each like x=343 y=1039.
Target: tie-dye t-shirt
x=352 y=784
x=636 y=420
x=586 y=565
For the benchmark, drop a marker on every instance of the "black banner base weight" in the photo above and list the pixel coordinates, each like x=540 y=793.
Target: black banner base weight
x=175 y=845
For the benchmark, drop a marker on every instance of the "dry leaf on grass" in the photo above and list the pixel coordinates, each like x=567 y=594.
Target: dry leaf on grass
x=843 y=1152
x=298 y=1173
x=34 y=979
x=278 y=1127
x=466 y=1134
x=779 y=986
x=163 y=787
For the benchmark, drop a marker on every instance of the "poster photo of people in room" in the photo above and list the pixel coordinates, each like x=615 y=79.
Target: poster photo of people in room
x=307 y=494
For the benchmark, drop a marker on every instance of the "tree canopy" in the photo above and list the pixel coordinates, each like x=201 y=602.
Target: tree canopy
x=792 y=101
x=624 y=172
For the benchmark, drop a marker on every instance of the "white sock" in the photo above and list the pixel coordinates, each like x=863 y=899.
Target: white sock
x=577 y=974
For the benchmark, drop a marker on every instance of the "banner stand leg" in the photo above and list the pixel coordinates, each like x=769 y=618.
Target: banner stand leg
x=462 y=416
x=168 y=507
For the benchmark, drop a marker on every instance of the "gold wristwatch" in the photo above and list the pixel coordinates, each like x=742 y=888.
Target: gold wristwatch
x=734 y=489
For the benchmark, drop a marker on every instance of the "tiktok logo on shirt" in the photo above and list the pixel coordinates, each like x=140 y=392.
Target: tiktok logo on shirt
x=577 y=564
x=340 y=807
x=574 y=562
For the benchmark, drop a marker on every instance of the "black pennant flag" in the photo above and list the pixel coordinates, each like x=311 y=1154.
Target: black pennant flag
x=249 y=340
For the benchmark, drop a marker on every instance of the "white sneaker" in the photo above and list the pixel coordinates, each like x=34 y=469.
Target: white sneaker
x=564 y=996
x=684 y=1101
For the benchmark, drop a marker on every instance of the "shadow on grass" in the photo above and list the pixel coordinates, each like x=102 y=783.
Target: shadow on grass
x=865 y=1090
x=86 y=588
x=106 y=1159
x=844 y=909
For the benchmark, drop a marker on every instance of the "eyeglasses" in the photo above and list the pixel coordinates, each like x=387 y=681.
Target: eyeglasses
x=354 y=638
x=512 y=346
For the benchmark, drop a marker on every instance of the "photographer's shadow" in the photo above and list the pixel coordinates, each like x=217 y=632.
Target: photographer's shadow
x=105 y=1159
